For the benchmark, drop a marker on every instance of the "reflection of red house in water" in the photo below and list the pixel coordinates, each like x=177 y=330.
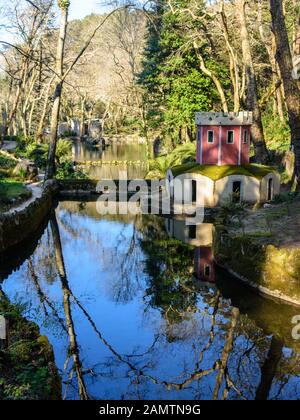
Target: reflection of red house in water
x=204 y=264
x=223 y=139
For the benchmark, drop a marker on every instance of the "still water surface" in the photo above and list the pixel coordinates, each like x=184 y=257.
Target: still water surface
x=141 y=326
x=134 y=157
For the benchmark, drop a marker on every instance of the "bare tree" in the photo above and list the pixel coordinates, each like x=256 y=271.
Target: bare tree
x=292 y=93
x=257 y=132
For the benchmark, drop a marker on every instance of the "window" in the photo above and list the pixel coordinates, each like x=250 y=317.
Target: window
x=245 y=136
x=207 y=270
x=194 y=191
x=192 y=231
x=210 y=137
x=230 y=137
x=236 y=191
x=270 y=189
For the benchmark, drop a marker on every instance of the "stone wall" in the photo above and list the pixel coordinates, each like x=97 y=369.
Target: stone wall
x=17 y=226
x=270 y=270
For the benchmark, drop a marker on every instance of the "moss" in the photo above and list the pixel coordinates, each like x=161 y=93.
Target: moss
x=215 y=172
x=276 y=269
x=27 y=370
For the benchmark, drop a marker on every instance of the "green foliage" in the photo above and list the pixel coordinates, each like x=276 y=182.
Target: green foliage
x=181 y=154
x=287 y=197
x=25 y=373
x=169 y=265
x=38 y=152
x=63 y=4
x=277 y=133
x=66 y=170
x=7 y=165
x=175 y=87
x=63 y=151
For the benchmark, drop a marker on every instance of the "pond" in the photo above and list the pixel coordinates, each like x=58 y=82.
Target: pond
x=118 y=298
x=134 y=157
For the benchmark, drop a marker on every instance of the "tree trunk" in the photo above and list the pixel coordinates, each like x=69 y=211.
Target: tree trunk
x=39 y=133
x=234 y=70
x=257 y=132
x=50 y=169
x=271 y=50
x=74 y=349
x=292 y=93
x=213 y=77
x=82 y=118
x=268 y=370
x=225 y=354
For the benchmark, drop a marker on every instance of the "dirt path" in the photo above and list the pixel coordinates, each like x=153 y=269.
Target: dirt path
x=278 y=224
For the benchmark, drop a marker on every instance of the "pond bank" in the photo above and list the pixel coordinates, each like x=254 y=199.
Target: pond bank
x=25 y=219
x=27 y=367
x=262 y=249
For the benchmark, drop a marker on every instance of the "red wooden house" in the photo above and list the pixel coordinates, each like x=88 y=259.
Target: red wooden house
x=223 y=139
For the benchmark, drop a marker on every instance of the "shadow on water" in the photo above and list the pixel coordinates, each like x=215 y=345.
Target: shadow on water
x=118 y=298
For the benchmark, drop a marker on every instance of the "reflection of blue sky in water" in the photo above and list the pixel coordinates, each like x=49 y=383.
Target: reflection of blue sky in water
x=106 y=271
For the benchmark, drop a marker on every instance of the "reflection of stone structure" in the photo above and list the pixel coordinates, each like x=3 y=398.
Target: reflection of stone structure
x=63 y=128
x=75 y=127
x=204 y=264
x=222 y=170
x=200 y=236
x=95 y=129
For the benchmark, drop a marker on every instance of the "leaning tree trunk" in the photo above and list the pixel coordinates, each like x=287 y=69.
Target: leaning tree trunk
x=234 y=70
x=257 y=132
x=269 y=369
x=292 y=93
x=50 y=169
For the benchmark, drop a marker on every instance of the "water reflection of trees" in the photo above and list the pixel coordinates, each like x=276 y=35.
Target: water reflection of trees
x=228 y=357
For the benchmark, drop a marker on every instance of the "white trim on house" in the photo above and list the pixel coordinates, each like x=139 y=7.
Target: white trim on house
x=240 y=145
x=222 y=118
x=220 y=147
x=201 y=145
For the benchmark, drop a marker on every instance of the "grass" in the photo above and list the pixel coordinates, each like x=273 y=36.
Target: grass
x=7 y=164
x=215 y=172
x=12 y=192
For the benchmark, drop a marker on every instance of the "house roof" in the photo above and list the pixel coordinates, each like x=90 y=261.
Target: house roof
x=223 y=119
x=215 y=172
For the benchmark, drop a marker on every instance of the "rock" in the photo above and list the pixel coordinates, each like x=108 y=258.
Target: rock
x=95 y=130
x=267 y=206
x=26 y=169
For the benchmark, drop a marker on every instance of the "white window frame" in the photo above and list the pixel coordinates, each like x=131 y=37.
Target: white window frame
x=210 y=131
x=227 y=140
x=245 y=137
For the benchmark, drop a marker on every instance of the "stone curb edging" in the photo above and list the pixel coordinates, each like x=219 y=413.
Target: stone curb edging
x=27 y=220
x=256 y=287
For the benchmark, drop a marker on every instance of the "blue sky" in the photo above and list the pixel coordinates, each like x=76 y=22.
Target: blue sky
x=78 y=10
x=81 y=8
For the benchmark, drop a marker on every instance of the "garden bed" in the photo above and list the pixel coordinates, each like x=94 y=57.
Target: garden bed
x=12 y=193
